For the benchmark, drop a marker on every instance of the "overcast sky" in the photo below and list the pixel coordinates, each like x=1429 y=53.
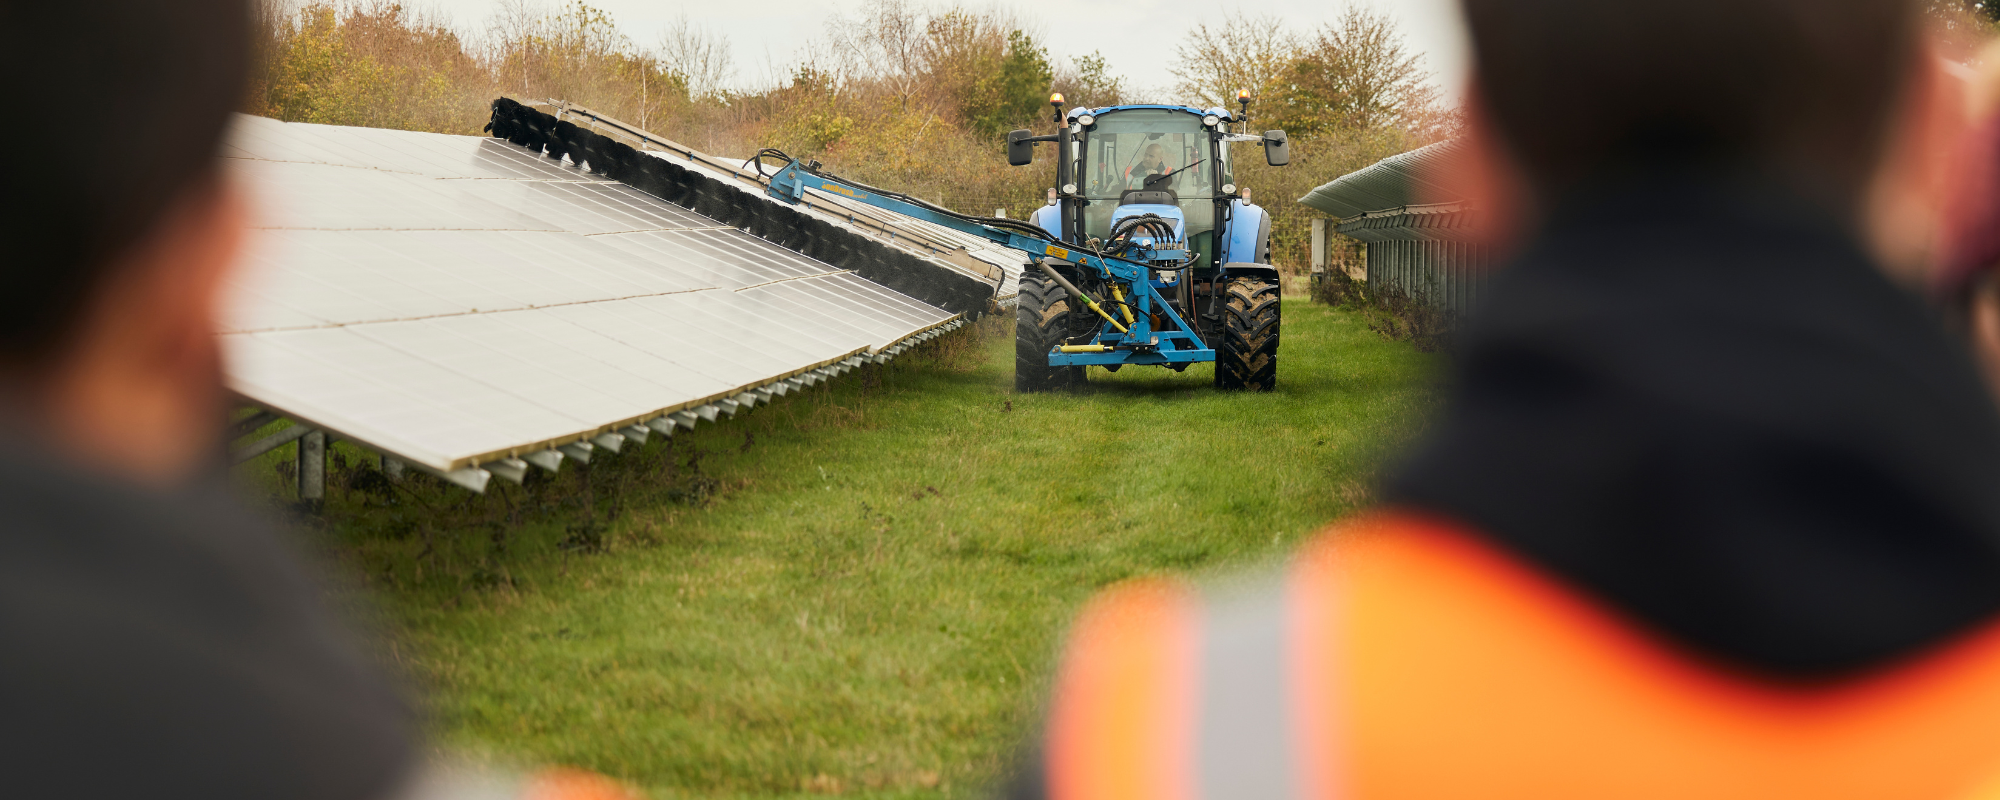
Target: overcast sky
x=767 y=35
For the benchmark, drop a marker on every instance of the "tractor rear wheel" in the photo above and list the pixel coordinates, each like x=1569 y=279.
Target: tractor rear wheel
x=1042 y=320
x=1246 y=343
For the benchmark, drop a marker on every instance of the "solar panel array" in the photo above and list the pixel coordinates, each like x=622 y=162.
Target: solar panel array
x=469 y=307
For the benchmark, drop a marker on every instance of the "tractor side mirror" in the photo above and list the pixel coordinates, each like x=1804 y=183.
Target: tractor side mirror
x=1277 y=149
x=1020 y=151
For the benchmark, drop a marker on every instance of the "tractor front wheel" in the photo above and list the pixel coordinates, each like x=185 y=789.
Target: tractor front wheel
x=1246 y=343
x=1042 y=320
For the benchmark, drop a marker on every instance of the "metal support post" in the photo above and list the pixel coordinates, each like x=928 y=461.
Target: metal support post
x=1319 y=251
x=312 y=469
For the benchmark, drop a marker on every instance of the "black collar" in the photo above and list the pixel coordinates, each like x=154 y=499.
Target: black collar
x=1705 y=405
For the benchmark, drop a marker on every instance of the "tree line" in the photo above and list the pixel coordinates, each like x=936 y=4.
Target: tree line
x=915 y=97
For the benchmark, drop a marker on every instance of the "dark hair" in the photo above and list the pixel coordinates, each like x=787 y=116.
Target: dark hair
x=1802 y=89
x=120 y=110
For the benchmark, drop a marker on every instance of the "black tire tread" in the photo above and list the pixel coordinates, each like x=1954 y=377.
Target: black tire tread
x=1246 y=344
x=1042 y=320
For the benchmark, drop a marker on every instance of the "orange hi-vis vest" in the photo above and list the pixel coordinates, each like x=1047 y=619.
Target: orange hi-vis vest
x=1403 y=658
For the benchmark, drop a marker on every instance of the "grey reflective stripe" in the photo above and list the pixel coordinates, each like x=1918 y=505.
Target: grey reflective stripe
x=1244 y=741
x=458 y=781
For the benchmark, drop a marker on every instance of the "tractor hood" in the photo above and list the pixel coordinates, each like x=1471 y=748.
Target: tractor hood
x=1171 y=214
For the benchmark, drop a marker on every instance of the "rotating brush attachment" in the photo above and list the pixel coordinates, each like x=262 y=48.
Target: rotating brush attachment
x=766 y=219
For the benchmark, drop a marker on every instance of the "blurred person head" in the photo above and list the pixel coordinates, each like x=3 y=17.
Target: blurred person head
x=121 y=227
x=161 y=639
x=1839 y=102
x=1694 y=388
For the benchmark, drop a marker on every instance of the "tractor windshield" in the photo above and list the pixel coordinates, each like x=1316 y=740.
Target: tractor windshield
x=1126 y=147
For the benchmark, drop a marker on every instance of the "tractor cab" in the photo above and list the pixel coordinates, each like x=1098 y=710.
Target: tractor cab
x=1172 y=162
x=1152 y=185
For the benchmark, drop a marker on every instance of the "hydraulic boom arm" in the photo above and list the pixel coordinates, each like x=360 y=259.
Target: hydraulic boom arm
x=1116 y=342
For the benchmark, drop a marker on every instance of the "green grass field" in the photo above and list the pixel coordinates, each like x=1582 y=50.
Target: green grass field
x=858 y=589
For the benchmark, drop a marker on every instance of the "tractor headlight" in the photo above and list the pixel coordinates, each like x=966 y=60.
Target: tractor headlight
x=1229 y=188
x=1086 y=120
x=1210 y=121
x=1069 y=188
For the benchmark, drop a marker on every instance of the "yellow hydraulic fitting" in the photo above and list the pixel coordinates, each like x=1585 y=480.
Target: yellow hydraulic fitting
x=1105 y=314
x=1119 y=295
x=1085 y=348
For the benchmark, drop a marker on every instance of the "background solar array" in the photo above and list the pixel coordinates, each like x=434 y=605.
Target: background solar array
x=455 y=300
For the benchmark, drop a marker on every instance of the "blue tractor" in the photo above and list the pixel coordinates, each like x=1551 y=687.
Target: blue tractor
x=1147 y=252
x=1136 y=178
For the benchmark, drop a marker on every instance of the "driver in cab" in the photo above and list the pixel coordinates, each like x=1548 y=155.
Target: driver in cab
x=1152 y=161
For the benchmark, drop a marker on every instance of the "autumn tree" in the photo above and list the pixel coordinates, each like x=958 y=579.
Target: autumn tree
x=1014 y=92
x=1243 y=52
x=372 y=63
x=1087 y=82
x=1355 y=73
x=697 y=58
x=577 y=53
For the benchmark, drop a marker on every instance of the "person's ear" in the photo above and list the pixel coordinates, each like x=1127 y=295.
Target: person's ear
x=1492 y=182
x=147 y=352
x=1904 y=204
x=1983 y=327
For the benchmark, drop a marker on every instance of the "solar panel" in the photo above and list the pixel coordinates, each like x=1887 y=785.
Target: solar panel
x=454 y=301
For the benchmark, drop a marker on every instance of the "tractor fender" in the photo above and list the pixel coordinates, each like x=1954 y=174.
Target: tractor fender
x=1048 y=218
x=1244 y=268
x=1249 y=234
